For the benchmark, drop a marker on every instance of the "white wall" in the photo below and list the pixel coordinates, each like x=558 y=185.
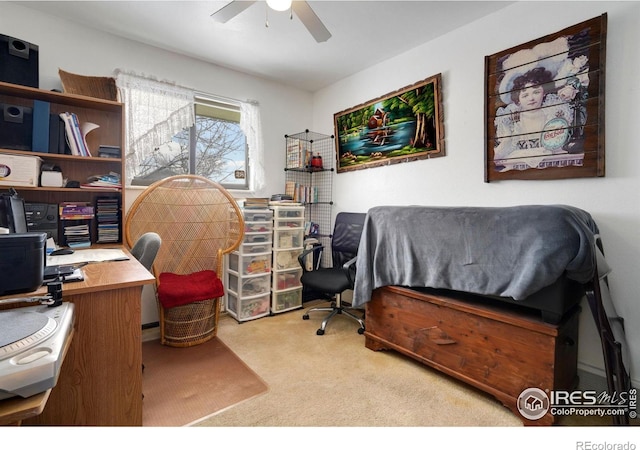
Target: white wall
x=458 y=178
x=66 y=45
x=63 y=44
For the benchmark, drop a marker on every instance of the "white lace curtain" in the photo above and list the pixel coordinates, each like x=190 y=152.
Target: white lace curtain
x=155 y=112
x=251 y=125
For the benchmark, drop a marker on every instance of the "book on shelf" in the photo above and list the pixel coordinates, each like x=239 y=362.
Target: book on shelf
x=73 y=134
x=75 y=210
x=284 y=203
x=85 y=129
x=84 y=151
x=256 y=203
x=41 y=123
x=69 y=133
x=109 y=151
x=294 y=155
x=290 y=188
x=303 y=193
x=109 y=180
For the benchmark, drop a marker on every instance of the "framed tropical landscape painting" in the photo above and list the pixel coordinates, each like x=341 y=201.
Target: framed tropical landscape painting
x=402 y=126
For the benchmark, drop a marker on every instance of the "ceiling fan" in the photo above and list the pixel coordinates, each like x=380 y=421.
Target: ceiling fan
x=301 y=8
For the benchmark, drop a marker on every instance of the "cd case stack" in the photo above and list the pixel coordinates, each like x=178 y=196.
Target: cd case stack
x=108 y=218
x=76 y=222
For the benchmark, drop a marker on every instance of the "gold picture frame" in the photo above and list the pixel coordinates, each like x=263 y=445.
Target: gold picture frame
x=402 y=126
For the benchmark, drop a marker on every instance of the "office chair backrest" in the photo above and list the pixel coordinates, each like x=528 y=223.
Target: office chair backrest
x=346 y=237
x=146 y=248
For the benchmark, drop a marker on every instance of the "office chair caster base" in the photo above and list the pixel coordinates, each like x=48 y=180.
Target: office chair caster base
x=320 y=332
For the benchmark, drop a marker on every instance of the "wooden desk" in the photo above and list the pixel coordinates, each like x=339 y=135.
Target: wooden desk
x=100 y=382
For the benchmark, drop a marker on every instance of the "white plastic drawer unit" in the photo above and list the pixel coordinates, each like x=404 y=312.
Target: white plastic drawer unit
x=248 y=308
x=283 y=239
x=250 y=264
x=249 y=285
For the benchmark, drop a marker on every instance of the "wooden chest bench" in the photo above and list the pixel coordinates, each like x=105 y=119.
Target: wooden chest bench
x=497 y=349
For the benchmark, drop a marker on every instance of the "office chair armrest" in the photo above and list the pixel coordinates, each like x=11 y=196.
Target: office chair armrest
x=350 y=268
x=303 y=255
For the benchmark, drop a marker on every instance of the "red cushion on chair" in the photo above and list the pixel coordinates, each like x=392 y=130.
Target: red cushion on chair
x=175 y=290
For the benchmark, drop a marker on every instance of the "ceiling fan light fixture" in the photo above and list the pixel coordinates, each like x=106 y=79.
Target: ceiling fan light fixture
x=279 y=5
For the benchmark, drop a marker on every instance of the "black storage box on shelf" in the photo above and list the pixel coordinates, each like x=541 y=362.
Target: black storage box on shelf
x=43 y=218
x=18 y=62
x=16 y=127
x=22 y=261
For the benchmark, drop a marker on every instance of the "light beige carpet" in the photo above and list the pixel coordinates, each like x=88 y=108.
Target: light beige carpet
x=334 y=380
x=182 y=385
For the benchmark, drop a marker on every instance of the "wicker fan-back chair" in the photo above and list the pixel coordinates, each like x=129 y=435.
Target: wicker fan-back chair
x=199 y=222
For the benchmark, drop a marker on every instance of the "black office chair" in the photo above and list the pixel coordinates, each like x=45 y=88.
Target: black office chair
x=331 y=282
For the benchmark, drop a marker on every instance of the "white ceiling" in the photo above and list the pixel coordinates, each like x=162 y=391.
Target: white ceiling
x=363 y=32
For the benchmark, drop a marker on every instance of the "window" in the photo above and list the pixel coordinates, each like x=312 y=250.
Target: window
x=215 y=147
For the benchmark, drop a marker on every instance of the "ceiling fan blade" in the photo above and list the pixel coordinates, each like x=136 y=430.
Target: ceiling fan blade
x=311 y=21
x=230 y=10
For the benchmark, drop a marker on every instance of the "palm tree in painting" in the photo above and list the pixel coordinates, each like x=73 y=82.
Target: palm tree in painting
x=420 y=103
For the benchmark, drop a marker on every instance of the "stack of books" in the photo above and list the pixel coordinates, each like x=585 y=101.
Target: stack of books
x=76 y=223
x=302 y=193
x=76 y=134
x=107 y=181
x=108 y=219
x=256 y=203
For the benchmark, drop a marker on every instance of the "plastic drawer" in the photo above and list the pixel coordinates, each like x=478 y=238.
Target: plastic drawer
x=250 y=264
x=288 y=238
x=286 y=259
x=250 y=285
x=288 y=223
x=258 y=215
x=252 y=248
x=257 y=227
x=286 y=300
x=288 y=212
x=286 y=280
x=248 y=308
x=250 y=238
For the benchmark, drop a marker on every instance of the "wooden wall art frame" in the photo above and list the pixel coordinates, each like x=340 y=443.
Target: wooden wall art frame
x=544 y=106
x=402 y=126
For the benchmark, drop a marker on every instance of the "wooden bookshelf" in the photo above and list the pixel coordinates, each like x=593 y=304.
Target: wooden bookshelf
x=109 y=115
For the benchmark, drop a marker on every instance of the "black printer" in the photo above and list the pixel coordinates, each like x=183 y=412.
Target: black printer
x=22 y=261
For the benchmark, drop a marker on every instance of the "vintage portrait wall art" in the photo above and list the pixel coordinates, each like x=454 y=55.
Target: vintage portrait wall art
x=405 y=125
x=545 y=106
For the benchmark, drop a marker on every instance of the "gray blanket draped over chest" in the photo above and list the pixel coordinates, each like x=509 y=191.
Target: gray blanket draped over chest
x=507 y=252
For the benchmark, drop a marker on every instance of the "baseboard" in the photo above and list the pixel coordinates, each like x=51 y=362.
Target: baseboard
x=596 y=377
x=150 y=334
